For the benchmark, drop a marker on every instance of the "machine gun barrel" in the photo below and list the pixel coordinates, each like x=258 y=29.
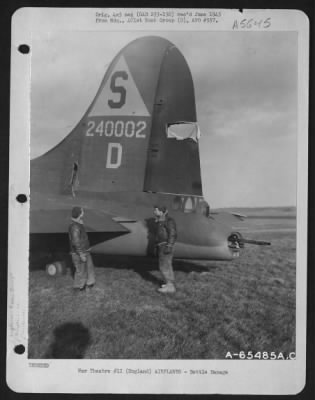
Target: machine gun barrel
x=258 y=242
x=237 y=241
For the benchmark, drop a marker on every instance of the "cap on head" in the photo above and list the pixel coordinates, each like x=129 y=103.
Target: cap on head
x=76 y=212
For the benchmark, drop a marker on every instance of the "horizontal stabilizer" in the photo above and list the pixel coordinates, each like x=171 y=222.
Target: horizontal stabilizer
x=240 y=216
x=227 y=217
x=57 y=221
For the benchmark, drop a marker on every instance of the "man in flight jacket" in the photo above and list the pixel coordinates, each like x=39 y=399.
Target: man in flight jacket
x=166 y=235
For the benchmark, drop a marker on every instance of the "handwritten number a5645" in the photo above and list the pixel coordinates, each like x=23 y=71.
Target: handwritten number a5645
x=118 y=89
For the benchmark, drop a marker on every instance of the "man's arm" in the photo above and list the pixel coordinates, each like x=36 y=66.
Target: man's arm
x=76 y=241
x=172 y=235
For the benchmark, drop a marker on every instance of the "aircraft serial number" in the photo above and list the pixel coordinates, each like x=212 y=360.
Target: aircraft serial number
x=260 y=355
x=128 y=129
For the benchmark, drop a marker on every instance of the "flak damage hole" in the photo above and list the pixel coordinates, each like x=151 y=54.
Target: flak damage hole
x=24 y=48
x=21 y=198
x=19 y=349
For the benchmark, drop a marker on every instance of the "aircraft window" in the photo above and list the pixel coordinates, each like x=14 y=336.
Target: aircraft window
x=177 y=202
x=189 y=205
x=183 y=130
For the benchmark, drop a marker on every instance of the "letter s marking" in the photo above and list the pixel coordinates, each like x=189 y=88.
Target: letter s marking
x=118 y=89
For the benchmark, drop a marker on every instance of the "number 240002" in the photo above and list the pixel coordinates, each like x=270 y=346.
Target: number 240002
x=128 y=129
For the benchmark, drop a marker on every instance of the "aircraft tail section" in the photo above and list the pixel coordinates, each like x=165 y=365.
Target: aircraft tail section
x=173 y=156
x=139 y=133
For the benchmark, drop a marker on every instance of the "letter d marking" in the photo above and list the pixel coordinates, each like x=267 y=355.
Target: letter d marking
x=109 y=161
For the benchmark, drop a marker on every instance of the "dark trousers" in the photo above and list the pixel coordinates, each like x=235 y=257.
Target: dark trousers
x=165 y=264
x=84 y=271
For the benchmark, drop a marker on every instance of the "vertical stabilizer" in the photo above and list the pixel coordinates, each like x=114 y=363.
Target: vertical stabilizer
x=123 y=142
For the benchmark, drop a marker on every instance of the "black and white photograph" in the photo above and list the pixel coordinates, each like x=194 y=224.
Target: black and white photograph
x=166 y=175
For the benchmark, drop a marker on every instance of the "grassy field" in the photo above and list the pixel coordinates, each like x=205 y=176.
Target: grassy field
x=247 y=304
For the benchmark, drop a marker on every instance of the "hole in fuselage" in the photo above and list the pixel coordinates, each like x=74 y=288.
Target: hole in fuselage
x=74 y=182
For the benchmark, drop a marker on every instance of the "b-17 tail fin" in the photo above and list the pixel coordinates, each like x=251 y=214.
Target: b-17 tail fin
x=140 y=132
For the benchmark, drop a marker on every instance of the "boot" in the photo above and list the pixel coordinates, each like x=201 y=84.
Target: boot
x=167 y=288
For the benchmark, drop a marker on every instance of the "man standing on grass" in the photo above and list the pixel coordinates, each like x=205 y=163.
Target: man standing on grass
x=84 y=275
x=165 y=239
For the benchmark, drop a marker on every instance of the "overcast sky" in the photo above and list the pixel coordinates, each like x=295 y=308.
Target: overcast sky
x=246 y=95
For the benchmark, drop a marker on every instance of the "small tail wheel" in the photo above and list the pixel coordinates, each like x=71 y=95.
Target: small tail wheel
x=56 y=268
